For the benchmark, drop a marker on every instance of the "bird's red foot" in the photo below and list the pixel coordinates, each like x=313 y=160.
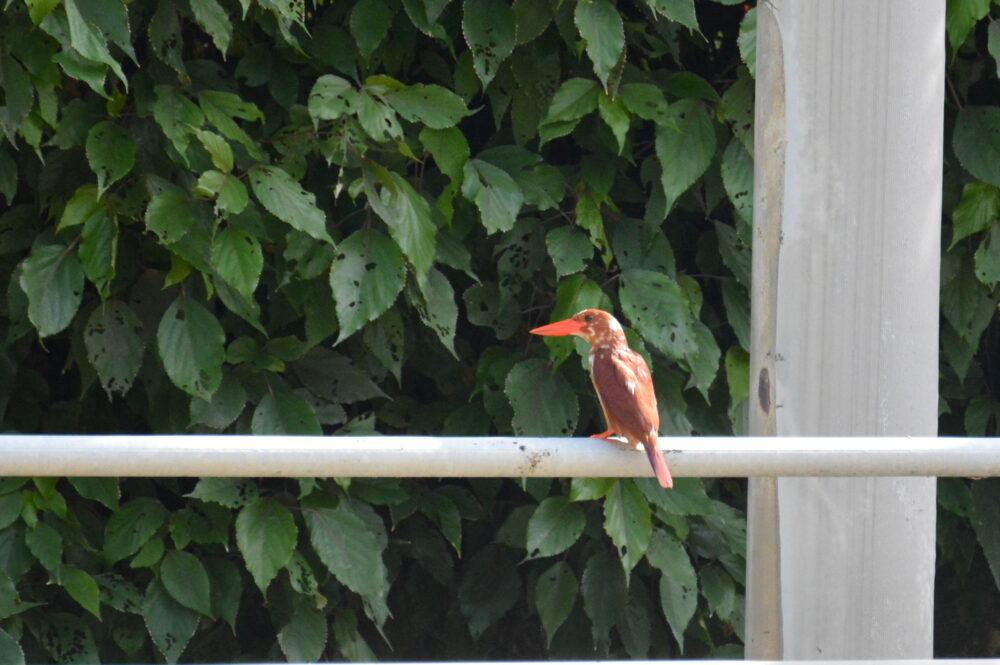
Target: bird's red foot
x=603 y=435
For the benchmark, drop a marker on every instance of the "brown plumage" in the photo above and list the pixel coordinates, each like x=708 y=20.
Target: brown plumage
x=622 y=381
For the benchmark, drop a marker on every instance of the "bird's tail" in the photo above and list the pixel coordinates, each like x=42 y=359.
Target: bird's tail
x=659 y=464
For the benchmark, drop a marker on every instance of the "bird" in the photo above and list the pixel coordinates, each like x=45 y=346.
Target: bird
x=622 y=381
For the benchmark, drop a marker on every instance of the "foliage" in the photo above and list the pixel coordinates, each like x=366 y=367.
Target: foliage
x=262 y=217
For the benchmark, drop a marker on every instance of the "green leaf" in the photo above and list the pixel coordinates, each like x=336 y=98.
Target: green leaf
x=684 y=152
x=131 y=526
x=217 y=148
x=976 y=142
x=966 y=304
x=437 y=308
x=366 y=276
x=332 y=377
x=987 y=257
x=110 y=152
x=604 y=591
x=285 y=198
x=283 y=412
x=602 y=30
x=734 y=253
x=83 y=589
x=220 y=109
x=590 y=489
x=10 y=508
x=170 y=214
x=191 y=346
x=616 y=116
x=555 y=595
x=737 y=178
x=265 y=535
x=53 y=281
x=628 y=522
x=149 y=555
x=442 y=509
x=588 y=216
x=238 y=258
x=575 y=98
x=554 y=526
x=303 y=638
x=88 y=40
x=45 y=543
x=978 y=208
x=495 y=193
x=489 y=27
x=66 y=638
x=229 y=193
x=349 y=641
x=225 y=406
x=544 y=403
x=385 y=338
x=719 y=590
x=177 y=116
x=170 y=624
x=704 y=362
x=19 y=96
x=186 y=580
x=961 y=16
x=432 y=105
x=10 y=650
x=330 y=98
x=81 y=207
x=115 y=345
x=678 y=584
x=681 y=11
x=569 y=249
x=369 y=22
x=449 y=148
x=226 y=589
x=747 y=40
x=660 y=311
x=490 y=587
x=98 y=250
x=409 y=218
x=737 y=374
x=213 y=19
x=228 y=492
x=349 y=548
x=986 y=521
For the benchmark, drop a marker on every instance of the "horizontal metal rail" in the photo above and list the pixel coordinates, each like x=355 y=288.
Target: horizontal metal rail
x=433 y=456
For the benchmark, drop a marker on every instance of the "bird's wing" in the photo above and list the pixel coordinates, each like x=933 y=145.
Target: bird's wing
x=625 y=389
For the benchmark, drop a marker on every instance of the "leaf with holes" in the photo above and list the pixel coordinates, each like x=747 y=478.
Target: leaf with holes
x=286 y=199
x=238 y=258
x=554 y=526
x=543 y=401
x=660 y=311
x=496 y=194
x=737 y=178
x=436 y=307
x=110 y=152
x=366 y=275
x=489 y=27
x=430 y=105
x=170 y=214
x=190 y=342
x=685 y=151
x=556 y=590
x=332 y=376
x=131 y=526
x=170 y=624
x=115 y=345
x=330 y=98
x=67 y=638
x=52 y=279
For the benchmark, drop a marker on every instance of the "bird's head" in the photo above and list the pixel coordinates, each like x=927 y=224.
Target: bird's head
x=594 y=325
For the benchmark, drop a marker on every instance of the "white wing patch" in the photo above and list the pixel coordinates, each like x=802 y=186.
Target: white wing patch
x=630 y=385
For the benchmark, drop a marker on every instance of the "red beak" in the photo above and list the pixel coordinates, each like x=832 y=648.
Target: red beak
x=558 y=329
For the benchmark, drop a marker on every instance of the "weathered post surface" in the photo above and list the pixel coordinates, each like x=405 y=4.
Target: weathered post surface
x=848 y=159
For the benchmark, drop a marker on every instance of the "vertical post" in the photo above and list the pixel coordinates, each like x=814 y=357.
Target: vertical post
x=845 y=301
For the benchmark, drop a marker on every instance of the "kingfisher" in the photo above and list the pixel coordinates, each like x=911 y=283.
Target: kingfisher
x=622 y=381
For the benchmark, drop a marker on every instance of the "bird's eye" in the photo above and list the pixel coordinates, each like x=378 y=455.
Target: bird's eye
x=588 y=318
